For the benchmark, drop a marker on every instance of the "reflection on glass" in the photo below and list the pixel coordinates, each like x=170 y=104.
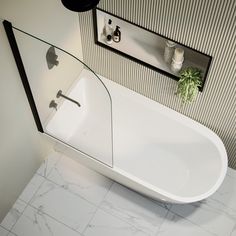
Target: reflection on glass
x=73 y=104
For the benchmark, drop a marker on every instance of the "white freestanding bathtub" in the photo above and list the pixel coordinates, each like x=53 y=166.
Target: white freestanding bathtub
x=156 y=151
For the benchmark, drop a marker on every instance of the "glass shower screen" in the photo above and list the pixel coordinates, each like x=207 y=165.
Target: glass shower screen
x=69 y=101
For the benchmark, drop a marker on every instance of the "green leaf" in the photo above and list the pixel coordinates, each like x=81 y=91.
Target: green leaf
x=188 y=84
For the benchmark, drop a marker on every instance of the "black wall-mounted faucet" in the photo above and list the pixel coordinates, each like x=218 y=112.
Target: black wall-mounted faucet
x=60 y=94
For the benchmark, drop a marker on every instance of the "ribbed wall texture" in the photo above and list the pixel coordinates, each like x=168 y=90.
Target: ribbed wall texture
x=207 y=26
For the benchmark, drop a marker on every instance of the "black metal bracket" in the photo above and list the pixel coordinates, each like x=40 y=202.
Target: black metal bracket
x=51 y=58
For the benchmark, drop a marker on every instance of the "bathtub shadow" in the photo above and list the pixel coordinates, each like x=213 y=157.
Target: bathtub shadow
x=123 y=199
x=186 y=210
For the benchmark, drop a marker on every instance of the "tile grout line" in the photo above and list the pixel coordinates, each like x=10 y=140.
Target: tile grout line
x=121 y=219
x=107 y=191
x=164 y=219
x=97 y=208
x=27 y=204
x=11 y=233
x=225 y=206
x=46 y=166
x=160 y=203
x=45 y=169
x=199 y=226
x=92 y=217
x=77 y=195
x=59 y=159
x=5 y=229
x=125 y=221
x=59 y=222
x=117 y=217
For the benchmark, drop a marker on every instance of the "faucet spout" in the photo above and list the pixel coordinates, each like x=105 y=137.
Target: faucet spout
x=60 y=94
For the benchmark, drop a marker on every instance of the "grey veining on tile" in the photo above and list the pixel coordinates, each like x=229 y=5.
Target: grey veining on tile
x=72 y=200
x=226 y=194
x=33 y=222
x=48 y=164
x=3 y=232
x=162 y=204
x=13 y=215
x=31 y=188
x=135 y=209
x=80 y=180
x=215 y=218
x=176 y=225
x=104 y=224
x=63 y=206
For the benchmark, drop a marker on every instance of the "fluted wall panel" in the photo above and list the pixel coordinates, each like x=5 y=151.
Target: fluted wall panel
x=207 y=26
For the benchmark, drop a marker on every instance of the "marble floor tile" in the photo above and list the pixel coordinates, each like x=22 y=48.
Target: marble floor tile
x=31 y=188
x=63 y=205
x=66 y=198
x=80 y=180
x=104 y=224
x=226 y=194
x=176 y=225
x=209 y=215
x=231 y=172
x=135 y=209
x=48 y=164
x=14 y=214
x=162 y=204
x=3 y=232
x=35 y=223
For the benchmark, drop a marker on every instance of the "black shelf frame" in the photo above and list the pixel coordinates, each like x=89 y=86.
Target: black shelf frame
x=138 y=60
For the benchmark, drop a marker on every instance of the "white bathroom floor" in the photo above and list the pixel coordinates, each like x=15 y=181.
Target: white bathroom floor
x=66 y=199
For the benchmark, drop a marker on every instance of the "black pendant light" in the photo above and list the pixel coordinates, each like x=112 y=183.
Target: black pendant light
x=80 y=5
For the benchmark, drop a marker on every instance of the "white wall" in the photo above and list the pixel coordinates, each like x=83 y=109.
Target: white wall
x=22 y=148
x=53 y=23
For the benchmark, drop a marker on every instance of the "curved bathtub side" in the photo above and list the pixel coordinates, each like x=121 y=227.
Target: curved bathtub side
x=224 y=164
x=113 y=173
x=211 y=166
x=119 y=175
x=130 y=181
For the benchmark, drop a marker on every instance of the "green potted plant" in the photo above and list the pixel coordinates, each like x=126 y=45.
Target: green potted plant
x=189 y=83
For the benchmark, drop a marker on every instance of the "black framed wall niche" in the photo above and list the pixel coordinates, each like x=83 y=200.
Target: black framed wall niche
x=146 y=47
